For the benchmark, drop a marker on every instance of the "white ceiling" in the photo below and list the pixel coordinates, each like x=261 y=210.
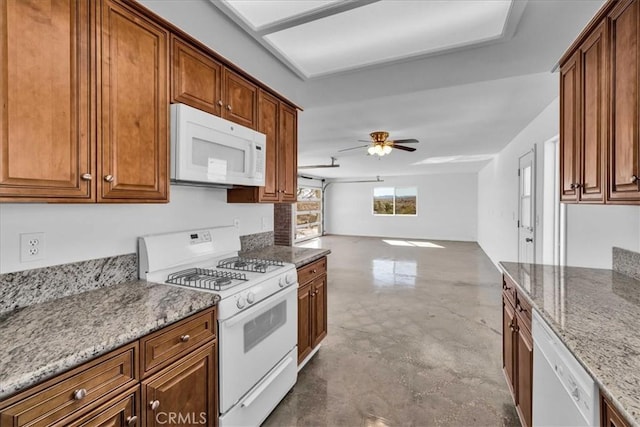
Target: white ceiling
x=462 y=104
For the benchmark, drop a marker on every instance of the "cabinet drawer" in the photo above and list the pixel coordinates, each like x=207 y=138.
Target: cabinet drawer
x=509 y=289
x=120 y=411
x=58 y=398
x=523 y=311
x=310 y=271
x=162 y=347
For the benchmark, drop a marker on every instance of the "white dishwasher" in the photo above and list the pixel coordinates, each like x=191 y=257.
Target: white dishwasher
x=564 y=394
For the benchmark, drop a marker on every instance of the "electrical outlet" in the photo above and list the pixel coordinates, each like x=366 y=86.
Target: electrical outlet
x=31 y=247
x=236 y=223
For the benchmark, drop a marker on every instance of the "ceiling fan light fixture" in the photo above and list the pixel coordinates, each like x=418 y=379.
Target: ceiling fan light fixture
x=371 y=150
x=379 y=150
x=386 y=149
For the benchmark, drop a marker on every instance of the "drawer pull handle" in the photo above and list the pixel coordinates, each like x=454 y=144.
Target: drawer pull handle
x=314 y=271
x=185 y=338
x=228 y=107
x=108 y=178
x=132 y=421
x=86 y=177
x=154 y=404
x=220 y=102
x=80 y=394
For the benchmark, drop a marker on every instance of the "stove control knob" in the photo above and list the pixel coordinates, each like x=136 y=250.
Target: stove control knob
x=281 y=282
x=240 y=303
x=291 y=278
x=251 y=297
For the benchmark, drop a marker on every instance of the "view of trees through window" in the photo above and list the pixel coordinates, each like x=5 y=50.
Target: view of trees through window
x=395 y=201
x=308 y=213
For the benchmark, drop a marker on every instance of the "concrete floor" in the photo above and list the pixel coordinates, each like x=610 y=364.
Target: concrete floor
x=414 y=340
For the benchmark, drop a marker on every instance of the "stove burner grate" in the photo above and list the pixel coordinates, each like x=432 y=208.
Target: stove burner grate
x=249 y=264
x=205 y=279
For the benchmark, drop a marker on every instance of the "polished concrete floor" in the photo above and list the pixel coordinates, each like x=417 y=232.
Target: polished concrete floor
x=414 y=339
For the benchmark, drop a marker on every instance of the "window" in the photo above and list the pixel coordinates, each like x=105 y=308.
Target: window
x=395 y=201
x=308 y=213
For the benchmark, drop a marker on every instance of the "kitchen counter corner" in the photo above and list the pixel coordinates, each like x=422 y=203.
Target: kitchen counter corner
x=46 y=339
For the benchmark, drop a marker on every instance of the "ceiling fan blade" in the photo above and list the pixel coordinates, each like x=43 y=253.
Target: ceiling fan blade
x=401 y=147
x=364 y=140
x=406 y=141
x=353 y=148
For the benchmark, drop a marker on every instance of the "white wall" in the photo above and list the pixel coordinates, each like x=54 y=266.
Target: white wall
x=591 y=230
x=447 y=209
x=76 y=232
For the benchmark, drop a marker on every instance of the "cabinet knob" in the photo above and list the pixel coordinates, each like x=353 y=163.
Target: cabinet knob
x=185 y=338
x=228 y=107
x=86 y=176
x=108 y=178
x=575 y=186
x=634 y=178
x=132 y=421
x=314 y=271
x=80 y=394
x=154 y=404
x=220 y=103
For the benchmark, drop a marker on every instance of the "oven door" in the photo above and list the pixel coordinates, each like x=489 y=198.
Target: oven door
x=253 y=342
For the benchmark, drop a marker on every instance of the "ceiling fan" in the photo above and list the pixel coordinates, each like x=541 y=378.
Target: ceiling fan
x=381 y=145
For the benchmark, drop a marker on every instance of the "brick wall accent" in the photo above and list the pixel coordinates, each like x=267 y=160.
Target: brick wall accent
x=282 y=227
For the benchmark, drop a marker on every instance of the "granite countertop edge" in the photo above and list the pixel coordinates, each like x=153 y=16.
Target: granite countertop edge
x=629 y=418
x=296 y=255
x=10 y=387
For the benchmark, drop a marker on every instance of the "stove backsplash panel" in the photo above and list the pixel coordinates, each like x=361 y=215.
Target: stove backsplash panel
x=24 y=288
x=255 y=241
x=626 y=262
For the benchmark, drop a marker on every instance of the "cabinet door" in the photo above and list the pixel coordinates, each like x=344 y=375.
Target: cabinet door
x=594 y=131
x=304 y=322
x=268 y=120
x=609 y=416
x=524 y=394
x=241 y=100
x=288 y=160
x=624 y=152
x=120 y=412
x=508 y=341
x=319 y=312
x=46 y=143
x=186 y=389
x=569 y=128
x=196 y=79
x=134 y=107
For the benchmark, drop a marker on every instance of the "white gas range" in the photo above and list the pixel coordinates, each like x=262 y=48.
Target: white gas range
x=257 y=314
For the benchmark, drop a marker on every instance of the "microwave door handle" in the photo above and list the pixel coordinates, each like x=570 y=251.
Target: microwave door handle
x=252 y=157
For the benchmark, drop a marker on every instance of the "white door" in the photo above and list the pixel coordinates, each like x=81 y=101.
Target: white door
x=526 y=208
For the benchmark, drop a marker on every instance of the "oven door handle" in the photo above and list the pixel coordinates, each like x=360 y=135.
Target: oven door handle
x=270 y=302
x=262 y=387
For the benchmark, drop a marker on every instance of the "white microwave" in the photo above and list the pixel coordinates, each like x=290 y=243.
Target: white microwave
x=206 y=149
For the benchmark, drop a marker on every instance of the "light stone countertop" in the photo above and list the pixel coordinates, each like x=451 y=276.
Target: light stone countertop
x=46 y=339
x=291 y=254
x=596 y=314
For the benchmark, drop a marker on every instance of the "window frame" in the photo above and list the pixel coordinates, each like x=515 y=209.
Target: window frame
x=395 y=190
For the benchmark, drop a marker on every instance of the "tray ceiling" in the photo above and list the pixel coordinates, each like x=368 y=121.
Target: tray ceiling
x=320 y=38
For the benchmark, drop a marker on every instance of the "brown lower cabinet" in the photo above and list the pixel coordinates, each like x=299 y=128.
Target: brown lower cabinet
x=517 y=350
x=609 y=415
x=108 y=391
x=312 y=307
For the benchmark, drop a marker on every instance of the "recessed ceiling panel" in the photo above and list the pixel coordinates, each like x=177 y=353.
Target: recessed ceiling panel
x=259 y=13
x=388 y=30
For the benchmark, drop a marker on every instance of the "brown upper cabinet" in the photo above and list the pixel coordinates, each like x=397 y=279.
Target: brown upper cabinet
x=74 y=130
x=133 y=104
x=196 y=78
x=47 y=148
x=278 y=121
x=599 y=131
x=202 y=82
